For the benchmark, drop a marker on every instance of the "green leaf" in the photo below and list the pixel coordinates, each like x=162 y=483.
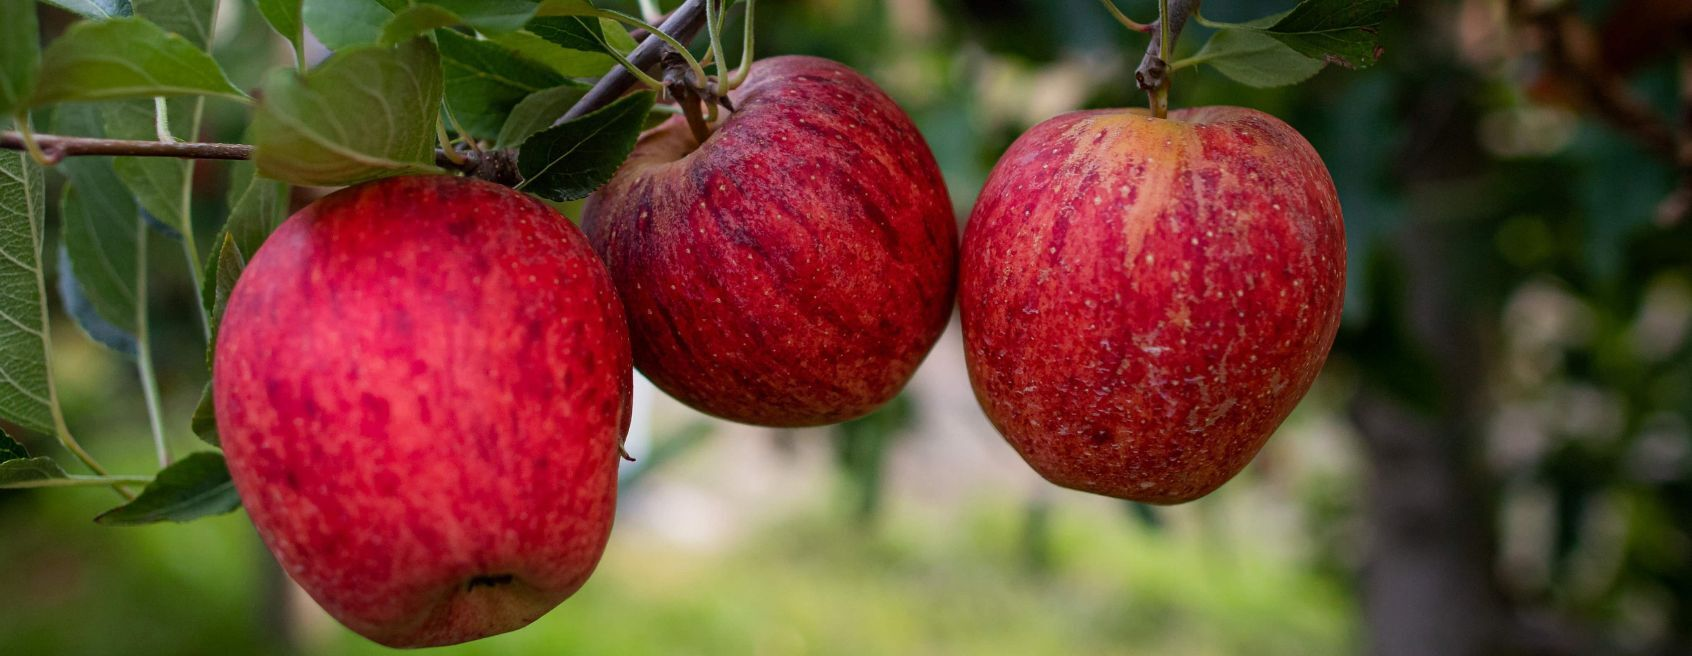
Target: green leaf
x=366 y=113
x=157 y=182
x=25 y=393
x=30 y=472
x=564 y=61
x=192 y=19
x=191 y=488
x=572 y=159
x=341 y=24
x=101 y=227
x=126 y=58
x=573 y=32
x=20 y=52
x=616 y=36
x=284 y=17
x=485 y=81
x=1254 y=59
x=536 y=112
x=96 y=9
x=75 y=300
x=257 y=206
x=417 y=20
x=486 y=16
x=10 y=449
x=204 y=422
x=229 y=263
x=1342 y=32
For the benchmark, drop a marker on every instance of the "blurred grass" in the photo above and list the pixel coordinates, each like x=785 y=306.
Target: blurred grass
x=805 y=584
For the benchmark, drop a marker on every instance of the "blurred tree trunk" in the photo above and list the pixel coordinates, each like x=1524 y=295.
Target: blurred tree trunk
x=1427 y=584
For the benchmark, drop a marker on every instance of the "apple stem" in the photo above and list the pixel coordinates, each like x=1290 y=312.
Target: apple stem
x=1153 y=72
x=683 y=89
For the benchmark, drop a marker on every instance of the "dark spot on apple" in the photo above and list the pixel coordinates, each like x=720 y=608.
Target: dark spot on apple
x=460 y=229
x=292 y=481
x=1100 y=436
x=488 y=581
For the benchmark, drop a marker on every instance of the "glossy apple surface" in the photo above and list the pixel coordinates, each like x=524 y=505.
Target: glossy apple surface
x=1144 y=300
x=421 y=384
x=795 y=268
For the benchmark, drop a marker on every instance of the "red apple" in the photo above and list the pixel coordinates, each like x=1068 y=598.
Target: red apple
x=421 y=384
x=1145 y=300
x=794 y=268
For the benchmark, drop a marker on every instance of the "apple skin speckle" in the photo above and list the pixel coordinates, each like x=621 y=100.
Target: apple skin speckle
x=421 y=384
x=795 y=268
x=1145 y=301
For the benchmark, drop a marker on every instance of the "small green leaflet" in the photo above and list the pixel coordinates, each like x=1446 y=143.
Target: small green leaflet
x=365 y=113
x=191 y=488
x=1342 y=32
x=126 y=58
x=20 y=53
x=284 y=17
x=31 y=472
x=570 y=160
x=204 y=423
x=484 y=81
x=192 y=19
x=95 y=9
x=1253 y=59
x=25 y=392
x=18 y=470
x=536 y=113
x=341 y=24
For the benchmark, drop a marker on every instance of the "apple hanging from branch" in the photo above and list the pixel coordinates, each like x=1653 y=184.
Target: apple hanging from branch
x=795 y=267
x=421 y=384
x=1146 y=296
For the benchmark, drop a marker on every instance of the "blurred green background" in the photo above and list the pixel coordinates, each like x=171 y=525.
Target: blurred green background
x=1497 y=460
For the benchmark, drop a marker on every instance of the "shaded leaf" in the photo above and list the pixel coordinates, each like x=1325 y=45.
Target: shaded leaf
x=94 y=8
x=573 y=32
x=25 y=393
x=366 y=113
x=341 y=24
x=485 y=81
x=1254 y=59
x=564 y=61
x=81 y=310
x=204 y=422
x=191 y=488
x=20 y=52
x=30 y=472
x=572 y=159
x=192 y=19
x=1341 y=32
x=284 y=17
x=101 y=228
x=536 y=112
x=126 y=58
x=10 y=449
